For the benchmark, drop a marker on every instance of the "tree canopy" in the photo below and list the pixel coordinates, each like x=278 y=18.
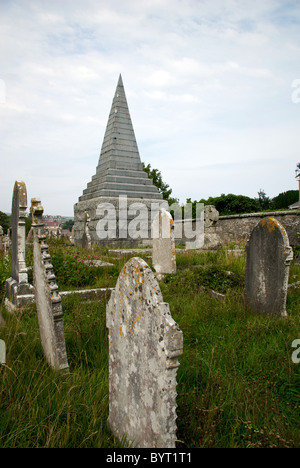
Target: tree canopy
x=285 y=199
x=162 y=186
x=228 y=204
x=237 y=204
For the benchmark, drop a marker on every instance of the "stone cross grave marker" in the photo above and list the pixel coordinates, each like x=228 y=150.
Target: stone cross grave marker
x=144 y=345
x=163 y=251
x=48 y=300
x=267 y=270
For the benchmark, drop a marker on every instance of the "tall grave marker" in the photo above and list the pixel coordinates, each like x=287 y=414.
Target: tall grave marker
x=163 y=252
x=144 y=345
x=267 y=271
x=18 y=290
x=48 y=300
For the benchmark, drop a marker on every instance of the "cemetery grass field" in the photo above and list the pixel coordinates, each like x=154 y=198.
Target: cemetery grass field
x=238 y=386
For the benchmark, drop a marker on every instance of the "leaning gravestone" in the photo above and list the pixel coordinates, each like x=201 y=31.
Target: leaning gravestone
x=144 y=345
x=163 y=252
x=267 y=270
x=18 y=290
x=48 y=300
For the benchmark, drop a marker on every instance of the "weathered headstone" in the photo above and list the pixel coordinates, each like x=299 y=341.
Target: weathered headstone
x=48 y=300
x=2 y=352
x=17 y=286
x=211 y=238
x=144 y=345
x=86 y=238
x=267 y=271
x=163 y=252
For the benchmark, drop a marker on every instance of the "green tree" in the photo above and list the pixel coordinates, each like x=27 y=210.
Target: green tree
x=264 y=202
x=68 y=224
x=285 y=199
x=229 y=204
x=4 y=221
x=163 y=188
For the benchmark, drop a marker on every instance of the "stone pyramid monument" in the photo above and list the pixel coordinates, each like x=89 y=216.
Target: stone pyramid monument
x=119 y=173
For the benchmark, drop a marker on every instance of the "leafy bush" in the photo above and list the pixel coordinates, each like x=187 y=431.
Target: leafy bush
x=73 y=268
x=210 y=277
x=4 y=271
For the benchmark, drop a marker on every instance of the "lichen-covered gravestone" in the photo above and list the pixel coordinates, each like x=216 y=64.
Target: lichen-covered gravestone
x=144 y=345
x=48 y=300
x=267 y=271
x=163 y=252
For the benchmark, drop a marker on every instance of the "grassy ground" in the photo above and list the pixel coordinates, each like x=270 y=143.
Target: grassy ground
x=237 y=384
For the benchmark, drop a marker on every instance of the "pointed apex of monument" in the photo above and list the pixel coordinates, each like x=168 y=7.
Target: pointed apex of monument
x=120 y=88
x=119 y=169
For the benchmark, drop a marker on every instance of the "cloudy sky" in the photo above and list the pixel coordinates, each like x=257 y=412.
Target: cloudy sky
x=213 y=89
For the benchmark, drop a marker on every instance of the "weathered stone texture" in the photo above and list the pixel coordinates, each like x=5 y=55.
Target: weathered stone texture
x=92 y=208
x=48 y=300
x=86 y=238
x=17 y=286
x=267 y=270
x=163 y=254
x=119 y=172
x=144 y=345
x=238 y=228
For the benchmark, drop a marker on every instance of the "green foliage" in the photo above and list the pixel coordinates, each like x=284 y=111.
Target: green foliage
x=68 y=224
x=4 y=271
x=163 y=188
x=237 y=385
x=285 y=199
x=74 y=268
x=208 y=277
x=43 y=408
x=4 y=221
x=237 y=204
x=229 y=204
x=28 y=223
x=264 y=202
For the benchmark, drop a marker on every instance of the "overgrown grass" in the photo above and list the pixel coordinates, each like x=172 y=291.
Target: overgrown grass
x=237 y=384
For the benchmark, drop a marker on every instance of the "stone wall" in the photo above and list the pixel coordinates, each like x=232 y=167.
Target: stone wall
x=237 y=228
